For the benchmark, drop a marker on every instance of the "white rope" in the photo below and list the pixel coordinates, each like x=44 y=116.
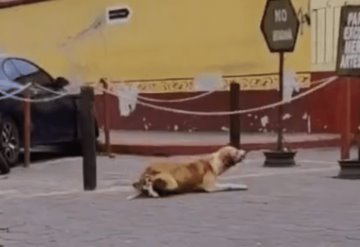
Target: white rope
x=38 y=100
x=14 y=97
x=326 y=82
x=52 y=91
x=175 y=100
x=19 y=90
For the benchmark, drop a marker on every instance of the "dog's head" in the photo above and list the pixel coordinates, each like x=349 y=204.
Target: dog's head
x=226 y=157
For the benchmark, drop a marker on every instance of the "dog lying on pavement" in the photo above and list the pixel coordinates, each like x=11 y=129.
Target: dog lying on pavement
x=166 y=178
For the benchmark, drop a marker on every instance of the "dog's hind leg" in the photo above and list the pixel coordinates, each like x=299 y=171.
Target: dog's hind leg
x=164 y=184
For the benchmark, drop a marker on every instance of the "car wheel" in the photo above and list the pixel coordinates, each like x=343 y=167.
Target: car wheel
x=10 y=141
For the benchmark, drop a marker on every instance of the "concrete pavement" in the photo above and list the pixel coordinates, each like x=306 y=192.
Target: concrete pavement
x=44 y=205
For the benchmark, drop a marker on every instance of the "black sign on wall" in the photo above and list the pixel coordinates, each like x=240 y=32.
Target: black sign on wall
x=280 y=25
x=348 y=53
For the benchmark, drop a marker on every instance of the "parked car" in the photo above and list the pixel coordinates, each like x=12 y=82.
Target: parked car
x=52 y=123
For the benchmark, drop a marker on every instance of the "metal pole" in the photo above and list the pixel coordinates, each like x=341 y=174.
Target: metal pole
x=88 y=137
x=106 y=113
x=234 y=118
x=27 y=129
x=346 y=135
x=280 y=108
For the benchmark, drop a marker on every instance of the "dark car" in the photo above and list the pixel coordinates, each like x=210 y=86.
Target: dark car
x=52 y=123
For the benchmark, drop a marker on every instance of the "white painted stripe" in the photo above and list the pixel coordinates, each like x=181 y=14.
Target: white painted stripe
x=324 y=162
x=280 y=173
x=18 y=194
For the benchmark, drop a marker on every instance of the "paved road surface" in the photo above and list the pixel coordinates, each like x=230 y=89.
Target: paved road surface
x=303 y=206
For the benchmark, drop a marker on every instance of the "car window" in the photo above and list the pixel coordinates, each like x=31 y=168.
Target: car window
x=10 y=70
x=2 y=75
x=31 y=73
x=25 y=68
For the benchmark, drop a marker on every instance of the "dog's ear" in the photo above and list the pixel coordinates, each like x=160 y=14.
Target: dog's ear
x=227 y=160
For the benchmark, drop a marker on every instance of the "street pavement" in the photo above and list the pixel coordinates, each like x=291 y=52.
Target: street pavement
x=301 y=206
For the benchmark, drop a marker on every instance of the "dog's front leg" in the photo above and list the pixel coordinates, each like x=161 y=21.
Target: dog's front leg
x=134 y=196
x=218 y=187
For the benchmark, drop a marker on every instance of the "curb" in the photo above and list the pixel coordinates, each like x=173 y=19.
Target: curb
x=193 y=149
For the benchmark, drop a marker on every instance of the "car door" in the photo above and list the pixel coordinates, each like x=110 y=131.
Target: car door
x=53 y=121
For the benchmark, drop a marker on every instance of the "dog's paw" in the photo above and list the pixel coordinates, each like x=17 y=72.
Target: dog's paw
x=153 y=193
x=134 y=196
x=237 y=186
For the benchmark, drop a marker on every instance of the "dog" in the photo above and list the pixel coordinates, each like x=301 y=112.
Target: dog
x=168 y=178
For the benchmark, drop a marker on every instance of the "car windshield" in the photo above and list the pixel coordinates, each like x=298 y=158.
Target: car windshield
x=2 y=75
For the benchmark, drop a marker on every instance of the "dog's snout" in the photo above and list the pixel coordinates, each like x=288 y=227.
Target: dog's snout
x=240 y=155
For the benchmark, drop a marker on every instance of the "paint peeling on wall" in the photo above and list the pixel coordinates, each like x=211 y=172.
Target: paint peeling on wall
x=264 y=121
x=286 y=116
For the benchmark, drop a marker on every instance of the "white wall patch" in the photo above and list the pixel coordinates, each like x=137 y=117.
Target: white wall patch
x=118 y=14
x=127 y=100
x=208 y=82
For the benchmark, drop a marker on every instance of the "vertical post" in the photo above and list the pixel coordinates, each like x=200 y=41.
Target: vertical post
x=234 y=118
x=106 y=112
x=27 y=128
x=346 y=132
x=280 y=108
x=358 y=143
x=88 y=137
x=4 y=165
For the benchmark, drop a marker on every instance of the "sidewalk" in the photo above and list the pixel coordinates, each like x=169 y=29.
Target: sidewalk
x=185 y=143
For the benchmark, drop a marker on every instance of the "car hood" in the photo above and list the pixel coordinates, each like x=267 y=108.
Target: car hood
x=6 y=85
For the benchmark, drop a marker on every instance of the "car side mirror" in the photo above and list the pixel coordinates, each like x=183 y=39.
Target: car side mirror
x=61 y=82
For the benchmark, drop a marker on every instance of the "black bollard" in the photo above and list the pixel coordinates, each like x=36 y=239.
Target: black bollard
x=234 y=118
x=88 y=137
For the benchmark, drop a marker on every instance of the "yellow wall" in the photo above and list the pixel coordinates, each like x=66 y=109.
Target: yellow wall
x=164 y=39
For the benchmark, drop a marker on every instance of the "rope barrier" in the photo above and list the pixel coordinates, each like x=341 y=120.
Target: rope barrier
x=19 y=90
x=175 y=100
x=41 y=100
x=326 y=82
x=192 y=97
x=59 y=95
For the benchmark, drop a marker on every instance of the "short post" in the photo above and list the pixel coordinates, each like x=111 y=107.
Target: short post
x=4 y=165
x=27 y=128
x=346 y=131
x=88 y=137
x=234 y=118
x=106 y=112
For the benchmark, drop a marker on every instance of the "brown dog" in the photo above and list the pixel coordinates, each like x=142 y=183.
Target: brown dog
x=166 y=178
